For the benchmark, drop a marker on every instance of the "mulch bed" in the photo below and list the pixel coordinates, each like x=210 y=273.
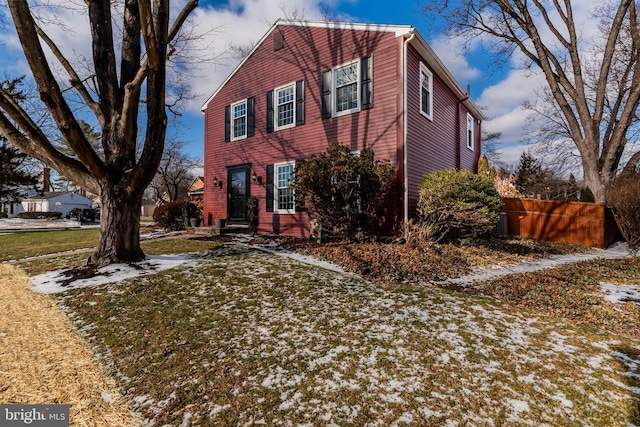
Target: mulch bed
x=44 y=359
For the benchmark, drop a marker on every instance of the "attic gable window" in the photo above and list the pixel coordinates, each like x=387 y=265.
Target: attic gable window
x=285 y=106
x=347 y=88
x=239 y=120
x=426 y=92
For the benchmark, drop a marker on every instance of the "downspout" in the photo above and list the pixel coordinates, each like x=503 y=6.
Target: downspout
x=406 y=122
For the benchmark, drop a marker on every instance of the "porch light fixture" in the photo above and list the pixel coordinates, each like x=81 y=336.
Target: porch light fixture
x=217 y=183
x=255 y=178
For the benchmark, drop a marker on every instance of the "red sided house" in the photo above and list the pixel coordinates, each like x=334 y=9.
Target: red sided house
x=306 y=84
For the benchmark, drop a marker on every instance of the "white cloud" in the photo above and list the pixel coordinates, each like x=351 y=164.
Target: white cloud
x=240 y=23
x=450 y=52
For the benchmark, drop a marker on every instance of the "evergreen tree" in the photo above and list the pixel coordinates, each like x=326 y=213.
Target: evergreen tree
x=13 y=176
x=572 y=189
x=529 y=176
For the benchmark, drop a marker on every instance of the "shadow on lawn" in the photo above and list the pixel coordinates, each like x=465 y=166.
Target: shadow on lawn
x=629 y=360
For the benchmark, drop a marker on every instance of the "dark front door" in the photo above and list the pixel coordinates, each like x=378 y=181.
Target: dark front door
x=237 y=193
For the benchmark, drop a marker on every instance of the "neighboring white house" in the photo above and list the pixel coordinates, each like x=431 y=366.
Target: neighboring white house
x=55 y=201
x=12 y=209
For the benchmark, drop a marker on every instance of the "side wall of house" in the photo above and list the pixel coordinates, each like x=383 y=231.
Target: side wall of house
x=307 y=52
x=440 y=142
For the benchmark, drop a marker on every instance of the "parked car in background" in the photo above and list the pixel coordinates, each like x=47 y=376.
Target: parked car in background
x=82 y=214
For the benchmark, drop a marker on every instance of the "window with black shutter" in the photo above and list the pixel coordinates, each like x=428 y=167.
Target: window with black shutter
x=347 y=88
x=327 y=82
x=269 y=185
x=227 y=123
x=366 y=82
x=270 y=111
x=285 y=106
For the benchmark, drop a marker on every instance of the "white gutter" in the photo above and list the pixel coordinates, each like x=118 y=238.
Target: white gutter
x=406 y=123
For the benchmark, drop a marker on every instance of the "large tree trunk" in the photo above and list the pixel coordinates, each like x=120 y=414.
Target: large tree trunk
x=119 y=227
x=593 y=178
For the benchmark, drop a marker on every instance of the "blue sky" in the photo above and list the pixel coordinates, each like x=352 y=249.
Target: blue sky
x=240 y=22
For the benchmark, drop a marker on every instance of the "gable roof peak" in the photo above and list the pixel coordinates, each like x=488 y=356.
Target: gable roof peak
x=399 y=30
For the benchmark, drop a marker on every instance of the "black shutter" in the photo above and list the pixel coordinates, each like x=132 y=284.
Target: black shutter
x=270 y=192
x=326 y=94
x=299 y=102
x=250 y=119
x=270 y=111
x=298 y=201
x=227 y=123
x=366 y=82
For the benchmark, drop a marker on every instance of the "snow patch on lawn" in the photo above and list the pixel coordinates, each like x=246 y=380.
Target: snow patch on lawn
x=304 y=258
x=620 y=294
x=618 y=250
x=55 y=281
x=12 y=224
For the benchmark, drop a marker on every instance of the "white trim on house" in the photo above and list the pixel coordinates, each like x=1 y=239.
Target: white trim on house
x=406 y=31
x=233 y=136
x=471 y=132
x=276 y=112
x=426 y=74
x=334 y=88
x=398 y=30
x=277 y=188
x=425 y=51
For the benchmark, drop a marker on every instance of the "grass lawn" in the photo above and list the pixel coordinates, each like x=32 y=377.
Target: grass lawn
x=170 y=246
x=246 y=337
x=24 y=245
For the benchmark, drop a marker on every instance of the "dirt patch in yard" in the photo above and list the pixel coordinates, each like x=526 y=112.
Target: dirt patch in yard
x=44 y=360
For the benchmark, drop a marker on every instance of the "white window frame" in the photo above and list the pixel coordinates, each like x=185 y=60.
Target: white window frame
x=471 y=124
x=275 y=106
x=235 y=137
x=429 y=75
x=334 y=89
x=276 y=188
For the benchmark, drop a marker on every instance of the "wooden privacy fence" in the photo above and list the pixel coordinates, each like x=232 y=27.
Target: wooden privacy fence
x=586 y=224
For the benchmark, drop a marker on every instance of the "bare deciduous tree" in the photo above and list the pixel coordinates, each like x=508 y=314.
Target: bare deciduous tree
x=175 y=172
x=593 y=79
x=113 y=91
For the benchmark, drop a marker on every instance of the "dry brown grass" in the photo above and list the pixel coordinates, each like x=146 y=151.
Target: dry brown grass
x=44 y=360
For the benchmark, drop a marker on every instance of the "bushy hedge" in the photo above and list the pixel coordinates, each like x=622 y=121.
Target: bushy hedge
x=457 y=204
x=253 y=214
x=623 y=198
x=169 y=216
x=3 y=214
x=39 y=215
x=345 y=190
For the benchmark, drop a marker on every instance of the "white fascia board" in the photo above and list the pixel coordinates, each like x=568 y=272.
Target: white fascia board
x=423 y=48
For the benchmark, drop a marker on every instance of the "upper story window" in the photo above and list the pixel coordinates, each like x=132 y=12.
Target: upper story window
x=239 y=120
x=239 y=127
x=285 y=106
x=347 y=88
x=285 y=100
x=470 y=131
x=426 y=92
